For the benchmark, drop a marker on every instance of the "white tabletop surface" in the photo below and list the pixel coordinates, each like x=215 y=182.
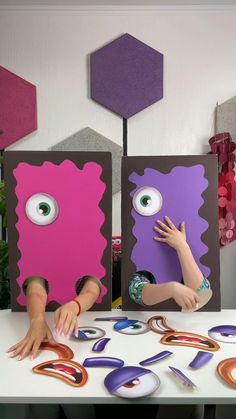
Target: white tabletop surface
x=18 y=384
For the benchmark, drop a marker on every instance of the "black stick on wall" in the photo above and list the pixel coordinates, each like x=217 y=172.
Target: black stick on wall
x=125 y=137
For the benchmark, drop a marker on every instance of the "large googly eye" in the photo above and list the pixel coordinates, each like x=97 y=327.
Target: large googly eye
x=131 y=382
x=224 y=333
x=41 y=209
x=147 y=201
x=87 y=333
x=131 y=327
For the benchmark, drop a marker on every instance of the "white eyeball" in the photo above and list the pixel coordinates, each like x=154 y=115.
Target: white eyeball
x=147 y=201
x=41 y=209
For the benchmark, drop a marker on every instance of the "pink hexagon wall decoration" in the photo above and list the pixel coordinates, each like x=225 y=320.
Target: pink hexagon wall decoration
x=18 y=113
x=126 y=76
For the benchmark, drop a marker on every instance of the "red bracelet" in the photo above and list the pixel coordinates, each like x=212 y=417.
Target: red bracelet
x=77 y=302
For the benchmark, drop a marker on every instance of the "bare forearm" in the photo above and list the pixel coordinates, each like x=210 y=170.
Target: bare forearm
x=155 y=293
x=192 y=275
x=36 y=300
x=87 y=300
x=88 y=294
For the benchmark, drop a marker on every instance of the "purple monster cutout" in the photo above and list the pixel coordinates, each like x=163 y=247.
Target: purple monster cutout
x=131 y=382
x=157 y=195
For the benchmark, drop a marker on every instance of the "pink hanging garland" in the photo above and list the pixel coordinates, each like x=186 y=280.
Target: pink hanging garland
x=222 y=145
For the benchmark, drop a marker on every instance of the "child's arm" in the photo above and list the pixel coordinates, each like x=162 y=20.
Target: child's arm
x=184 y=296
x=175 y=238
x=66 y=316
x=38 y=330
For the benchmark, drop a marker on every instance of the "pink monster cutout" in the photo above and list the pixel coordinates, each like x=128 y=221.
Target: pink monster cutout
x=60 y=236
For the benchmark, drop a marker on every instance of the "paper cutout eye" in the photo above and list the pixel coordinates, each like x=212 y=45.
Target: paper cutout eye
x=116 y=241
x=147 y=201
x=90 y=333
x=131 y=327
x=41 y=209
x=224 y=333
x=131 y=382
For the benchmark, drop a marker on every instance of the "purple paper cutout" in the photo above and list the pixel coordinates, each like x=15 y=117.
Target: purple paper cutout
x=100 y=345
x=81 y=335
x=179 y=183
x=182 y=377
x=89 y=333
x=126 y=76
x=156 y=358
x=200 y=359
x=123 y=324
x=226 y=329
x=102 y=361
x=223 y=333
x=114 y=318
x=121 y=376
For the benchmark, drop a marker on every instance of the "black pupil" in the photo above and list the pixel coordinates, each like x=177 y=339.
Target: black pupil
x=44 y=208
x=136 y=326
x=145 y=200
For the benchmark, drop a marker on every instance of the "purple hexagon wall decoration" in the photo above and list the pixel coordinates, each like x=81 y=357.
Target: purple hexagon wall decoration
x=126 y=76
x=18 y=113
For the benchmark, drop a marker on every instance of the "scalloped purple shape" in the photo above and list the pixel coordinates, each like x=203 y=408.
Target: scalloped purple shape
x=181 y=190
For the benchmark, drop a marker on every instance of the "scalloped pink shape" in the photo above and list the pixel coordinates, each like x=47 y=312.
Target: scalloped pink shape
x=73 y=245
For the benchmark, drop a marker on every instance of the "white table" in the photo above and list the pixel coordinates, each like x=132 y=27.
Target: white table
x=18 y=384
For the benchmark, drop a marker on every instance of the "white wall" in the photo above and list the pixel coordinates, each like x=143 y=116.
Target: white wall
x=50 y=49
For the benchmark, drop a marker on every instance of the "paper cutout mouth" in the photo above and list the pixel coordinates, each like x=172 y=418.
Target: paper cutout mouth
x=189 y=339
x=68 y=371
x=63 y=351
x=225 y=369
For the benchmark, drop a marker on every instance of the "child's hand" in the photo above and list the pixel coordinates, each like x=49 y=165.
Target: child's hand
x=37 y=332
x=171 y=235
x=184 y=296
x=65 y=319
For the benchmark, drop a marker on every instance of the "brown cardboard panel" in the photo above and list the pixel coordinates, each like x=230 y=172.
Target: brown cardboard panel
x=187 y=188
x=77 y=241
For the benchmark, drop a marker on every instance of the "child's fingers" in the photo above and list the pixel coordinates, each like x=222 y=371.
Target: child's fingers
x=22 y=351
x=187 y=304
x=35 y=349
x=163 y=225
x=170 y=223
x=50 y=338
x=76 y=328
x=72 y=327
x=61 y=321
x=56 y=317
x=67 y=324
x=182 y=227
x=14 y=347
x=163 y=233
x=17 y=349
x=160 y=239
x=25 y=351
